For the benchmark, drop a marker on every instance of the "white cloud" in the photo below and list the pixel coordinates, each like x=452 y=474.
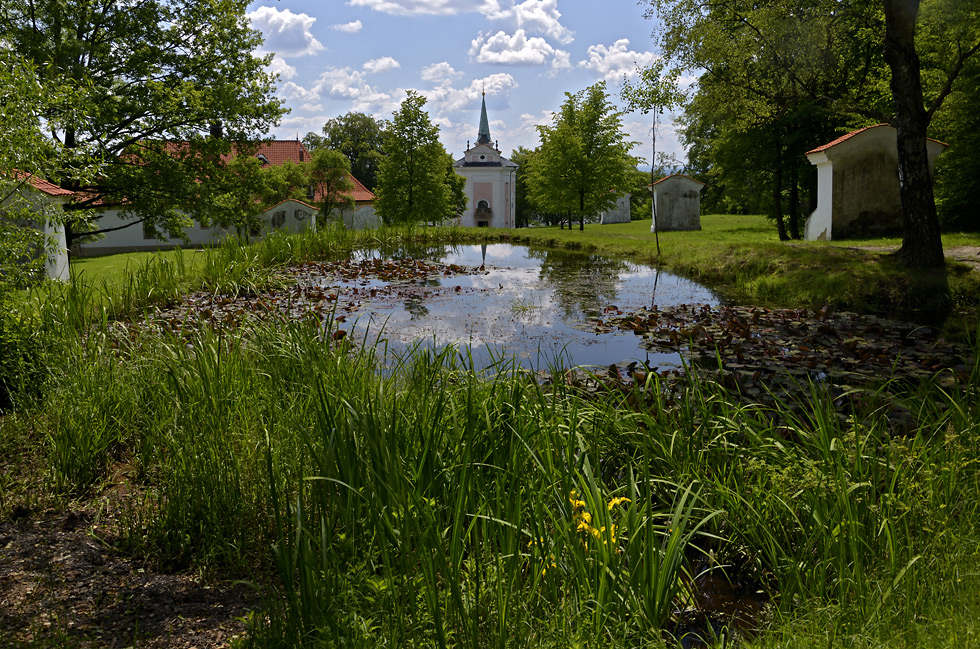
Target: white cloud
x=286 y=33
x=291 y=91
x=446 y=98
x=311 y=107
x=348 y=28
x=518 y=49
x=439 y=72
x=536 y=17
x=423 y=7
x=382 y=64
x=283 y=69
x=349 y=84
x=616 y=61
x=561 y=61
x=341 y=83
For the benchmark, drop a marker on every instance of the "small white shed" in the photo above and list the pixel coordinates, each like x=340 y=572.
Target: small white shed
x=618 y=213
x=676 y=203
x=857 y=185
x=37 y=193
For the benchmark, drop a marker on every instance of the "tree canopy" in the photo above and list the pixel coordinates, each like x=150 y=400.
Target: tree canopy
x=150 y=73
x=784 y=76
x=416 y=179
x=359 y=137
x=584 y=159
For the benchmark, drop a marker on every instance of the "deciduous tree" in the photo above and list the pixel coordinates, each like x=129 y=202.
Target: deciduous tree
x=584 y=160
x=154 y=72
x=359 y=137
x=416 y=180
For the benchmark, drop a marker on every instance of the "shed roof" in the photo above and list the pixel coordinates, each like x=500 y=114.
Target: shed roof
x=675 y=176
x=848 y=136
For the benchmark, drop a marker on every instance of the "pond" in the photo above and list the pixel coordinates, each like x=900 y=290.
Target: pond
x=500 y=301
x=548 y=308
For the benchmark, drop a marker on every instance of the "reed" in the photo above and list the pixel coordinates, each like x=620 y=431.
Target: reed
x=426 y=503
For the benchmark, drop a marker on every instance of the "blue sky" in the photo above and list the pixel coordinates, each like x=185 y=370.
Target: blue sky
x=362 y=55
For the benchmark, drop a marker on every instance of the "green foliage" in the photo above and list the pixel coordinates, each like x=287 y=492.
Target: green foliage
x=416 y=180
x=783 y=77
x=583 y=162
x=958 y=123
x=329 y=176
x=140 y=84
x=359 y=137
x=22 y=358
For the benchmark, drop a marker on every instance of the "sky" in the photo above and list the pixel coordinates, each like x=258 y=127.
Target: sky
x=337 y=56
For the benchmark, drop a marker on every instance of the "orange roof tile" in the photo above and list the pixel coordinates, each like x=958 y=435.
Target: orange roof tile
x=361 y=193
x=42 y=185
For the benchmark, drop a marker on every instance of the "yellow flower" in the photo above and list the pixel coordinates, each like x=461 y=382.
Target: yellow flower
x=618 y=501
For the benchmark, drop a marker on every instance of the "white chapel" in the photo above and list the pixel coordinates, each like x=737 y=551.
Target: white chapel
x=490 y=178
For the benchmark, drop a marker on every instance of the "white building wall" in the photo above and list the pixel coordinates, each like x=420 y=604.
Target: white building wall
x=619 y=213
x=818 y=224
x=290 y=215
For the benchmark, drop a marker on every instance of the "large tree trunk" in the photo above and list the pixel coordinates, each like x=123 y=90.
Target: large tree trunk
x=922 y=245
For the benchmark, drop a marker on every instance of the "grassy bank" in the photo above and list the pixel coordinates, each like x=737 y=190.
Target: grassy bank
x=430 y=505
x=742 y=258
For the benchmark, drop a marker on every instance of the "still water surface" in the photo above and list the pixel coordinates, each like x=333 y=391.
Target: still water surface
x=532 y=304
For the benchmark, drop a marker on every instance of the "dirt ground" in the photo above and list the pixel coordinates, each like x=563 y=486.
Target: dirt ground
x=64 y=583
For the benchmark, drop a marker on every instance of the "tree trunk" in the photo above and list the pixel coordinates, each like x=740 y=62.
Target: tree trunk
x=794 y=202
x=922 y=245
x=777 y=194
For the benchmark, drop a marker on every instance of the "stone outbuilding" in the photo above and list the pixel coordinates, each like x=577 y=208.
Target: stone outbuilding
x=490 y=193
x=618 y=213
x=857 y=185
x=676 y=203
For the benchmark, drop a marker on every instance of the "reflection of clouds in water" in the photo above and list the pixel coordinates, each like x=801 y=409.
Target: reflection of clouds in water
x=516 y=309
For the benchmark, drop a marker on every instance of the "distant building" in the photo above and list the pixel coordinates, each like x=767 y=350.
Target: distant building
x=489 y=177
x=857 y=185
x=676 y=203
x=618 y=213
x=290 y=215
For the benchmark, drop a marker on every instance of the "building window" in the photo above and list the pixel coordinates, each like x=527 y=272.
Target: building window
x=483 y=224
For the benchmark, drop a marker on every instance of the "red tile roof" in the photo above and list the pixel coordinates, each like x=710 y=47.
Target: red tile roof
x=279 y=151
x=674 y=176
x=848 y=136
x=361 y=193
x=42 y=185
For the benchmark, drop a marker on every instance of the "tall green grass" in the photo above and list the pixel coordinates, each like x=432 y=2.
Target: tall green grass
x=432 y=505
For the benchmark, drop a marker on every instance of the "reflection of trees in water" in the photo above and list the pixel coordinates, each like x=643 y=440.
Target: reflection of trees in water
x=415 y=305
x=408 y=250
x=583 y=283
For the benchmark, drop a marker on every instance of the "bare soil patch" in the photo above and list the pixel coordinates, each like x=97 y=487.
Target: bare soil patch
x=64 y=583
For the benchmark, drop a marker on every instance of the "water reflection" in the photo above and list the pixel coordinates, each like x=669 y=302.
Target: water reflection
x=526 y=303
x=583 y=283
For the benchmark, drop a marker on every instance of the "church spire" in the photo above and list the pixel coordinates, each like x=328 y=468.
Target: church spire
x=483 y=137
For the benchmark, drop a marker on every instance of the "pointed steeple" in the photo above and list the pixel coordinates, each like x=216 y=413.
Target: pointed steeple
x=483 y=137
